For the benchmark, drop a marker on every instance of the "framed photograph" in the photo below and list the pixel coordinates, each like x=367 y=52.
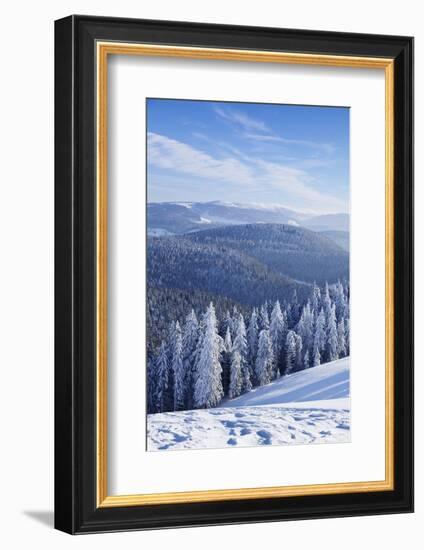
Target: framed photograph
x=234 y=274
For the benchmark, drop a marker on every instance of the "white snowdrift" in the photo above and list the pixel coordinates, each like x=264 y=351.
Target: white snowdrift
x=329 y=381
x=311 y=406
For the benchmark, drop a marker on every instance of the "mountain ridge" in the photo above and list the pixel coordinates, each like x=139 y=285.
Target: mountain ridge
x=180 y=217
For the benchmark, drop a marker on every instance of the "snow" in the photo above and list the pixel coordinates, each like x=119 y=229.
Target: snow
x=311 y=406
x=204 y=220
x=159 y=232
x=329 y=381
x=185 y=204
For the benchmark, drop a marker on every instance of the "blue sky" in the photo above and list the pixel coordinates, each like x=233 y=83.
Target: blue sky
x=291 y=155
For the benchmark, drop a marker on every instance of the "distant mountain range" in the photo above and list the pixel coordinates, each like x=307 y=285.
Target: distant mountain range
x=177 y=218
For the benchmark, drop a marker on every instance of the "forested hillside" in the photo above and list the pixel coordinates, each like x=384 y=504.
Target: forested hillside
x=214 y=267
x=291 y=251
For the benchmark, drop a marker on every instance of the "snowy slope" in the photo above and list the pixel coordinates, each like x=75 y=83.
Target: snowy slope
x=311 y=406
x=329 y=381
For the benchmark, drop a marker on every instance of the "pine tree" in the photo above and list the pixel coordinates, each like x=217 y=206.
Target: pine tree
x=319 y=339
x=347 y=334
x=252 y=339
x=316 y=300
x=177 y=368
x=263 y=318
x=341 y=339
x=208 y=390
x=226 y=357
x=277 y=332
x=240 y=345
x=317 y=358
x=331 y=333
x=290 y=352
x=225 y=323
x=326 y=302
x=294 y=310
x=236 y=376
x=339 y=300
x=190 y=339
x=305 y=329
x=306 y=361
x=298 y=351
x=151 y=386
x=163 y=401
x=264 y=359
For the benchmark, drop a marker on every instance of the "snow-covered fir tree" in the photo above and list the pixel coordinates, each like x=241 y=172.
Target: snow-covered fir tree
x=208 y=390
x=190 y=338
x=290 y=352
x=240 y=346
x=316 y=300
x=236 y=376
x=164 y=401
x=298 y=351
x=347 y=335
x=341 y=338
x=306 y=360
x=226 y=357
x=319 y=338
x=176 y=346
x=151 y=386
x=252 y=337
x=305 y=329
x=264 y=359
x=331 y=335
x=263 y=323
x=278 y=332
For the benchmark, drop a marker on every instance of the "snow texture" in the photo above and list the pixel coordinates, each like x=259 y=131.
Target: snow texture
x=311 y=406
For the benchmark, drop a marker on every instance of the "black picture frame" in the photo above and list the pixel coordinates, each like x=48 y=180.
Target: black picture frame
x=76 y=510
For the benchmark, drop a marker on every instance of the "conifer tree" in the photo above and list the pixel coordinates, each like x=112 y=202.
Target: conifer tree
x=277 y=332
x=226 y=357
x=317 y=357
x=208 y=390
x=290 y=352
x=319 y=338
x=264 y=359
x=163 y=399
x=252 y=340
x=190 y=339
x=316 y=300
x=331 y=333
x=263 y=318
x=347 y=334
x=305 y=329
x=236 y=376
x=151 y=385
x=240 y=345
x=341 y=339
x=306 y=361
x=177 y=368
x=298 y=351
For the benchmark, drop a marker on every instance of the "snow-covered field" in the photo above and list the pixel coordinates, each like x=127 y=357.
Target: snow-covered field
x=311 y=406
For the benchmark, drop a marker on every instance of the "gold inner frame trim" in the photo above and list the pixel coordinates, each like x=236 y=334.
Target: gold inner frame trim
x=103 y=50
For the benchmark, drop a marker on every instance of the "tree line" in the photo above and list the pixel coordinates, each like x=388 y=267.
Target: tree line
x=207 y=359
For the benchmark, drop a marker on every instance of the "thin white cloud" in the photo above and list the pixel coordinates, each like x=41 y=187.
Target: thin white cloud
x=325 y=147
x=241 y=119
x=171 y=154
x=257 y=130
x=261 y=176
x=295 y=181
